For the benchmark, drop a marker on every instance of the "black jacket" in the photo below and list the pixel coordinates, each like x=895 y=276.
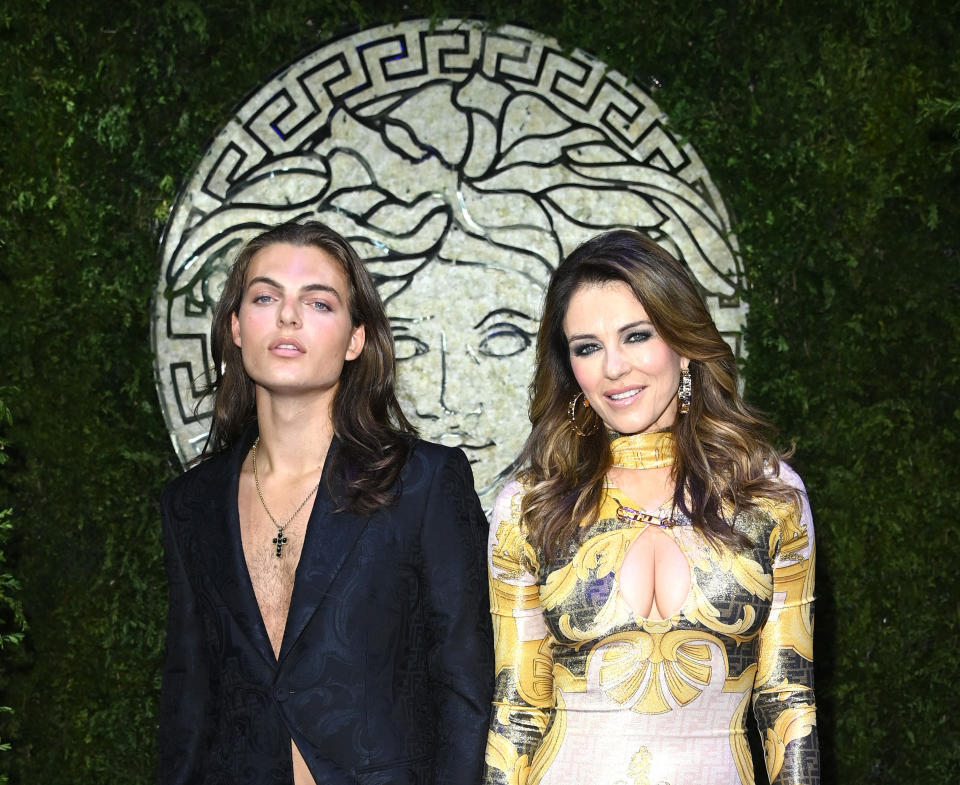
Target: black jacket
x=386 y=667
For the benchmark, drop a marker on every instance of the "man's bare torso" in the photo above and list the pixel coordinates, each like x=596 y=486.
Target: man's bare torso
x=272 y=576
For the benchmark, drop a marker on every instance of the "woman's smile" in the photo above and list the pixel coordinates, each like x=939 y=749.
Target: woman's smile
x=627 y=372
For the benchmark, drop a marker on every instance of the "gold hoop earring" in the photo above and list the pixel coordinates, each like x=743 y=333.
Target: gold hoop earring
x=685 y=391
x=572 y=415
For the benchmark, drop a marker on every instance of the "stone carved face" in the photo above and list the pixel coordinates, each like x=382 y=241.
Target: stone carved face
x=458 y=353
x=462 y=188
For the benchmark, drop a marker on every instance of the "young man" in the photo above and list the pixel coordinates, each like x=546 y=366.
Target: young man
x=328 y=620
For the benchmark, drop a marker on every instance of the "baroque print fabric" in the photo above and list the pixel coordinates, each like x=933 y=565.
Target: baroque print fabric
x=589 y=693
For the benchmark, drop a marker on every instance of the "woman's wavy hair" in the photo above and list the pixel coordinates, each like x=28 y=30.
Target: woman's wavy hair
x=375 y=436
x=723 y=464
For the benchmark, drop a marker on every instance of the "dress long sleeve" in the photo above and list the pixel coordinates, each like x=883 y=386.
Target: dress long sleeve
x=524 y=691
x=783 y=697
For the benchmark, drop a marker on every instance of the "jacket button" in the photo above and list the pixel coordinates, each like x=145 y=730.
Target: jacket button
x=281 y=694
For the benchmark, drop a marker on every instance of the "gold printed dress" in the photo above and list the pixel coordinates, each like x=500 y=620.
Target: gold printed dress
x=589 y=693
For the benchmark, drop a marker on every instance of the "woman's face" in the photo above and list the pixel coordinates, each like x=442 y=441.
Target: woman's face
x=627 y=372
x=464 y=338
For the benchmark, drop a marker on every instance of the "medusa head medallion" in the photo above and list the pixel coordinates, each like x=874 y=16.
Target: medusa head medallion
x=462 y=163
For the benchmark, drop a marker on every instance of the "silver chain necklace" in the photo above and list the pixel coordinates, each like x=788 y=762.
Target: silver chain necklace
x=280 y=540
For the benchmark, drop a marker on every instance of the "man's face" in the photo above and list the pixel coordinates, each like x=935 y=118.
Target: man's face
x=293 y=326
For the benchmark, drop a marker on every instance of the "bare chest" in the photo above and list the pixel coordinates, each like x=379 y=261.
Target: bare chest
x=272 y=576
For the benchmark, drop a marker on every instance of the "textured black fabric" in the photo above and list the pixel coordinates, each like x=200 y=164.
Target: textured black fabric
x=385 y=669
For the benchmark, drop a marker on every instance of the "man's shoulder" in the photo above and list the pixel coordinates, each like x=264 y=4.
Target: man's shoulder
x=433 y=451
x=198 y=478
x=437 y=456
x=429 y=462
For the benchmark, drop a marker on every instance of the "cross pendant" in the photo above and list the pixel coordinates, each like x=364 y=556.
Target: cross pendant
x=280 y=540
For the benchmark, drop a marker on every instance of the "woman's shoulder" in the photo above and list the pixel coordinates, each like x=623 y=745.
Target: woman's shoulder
x=508 y=502
x=787 y=476
x=791 y=512
x=513 y=558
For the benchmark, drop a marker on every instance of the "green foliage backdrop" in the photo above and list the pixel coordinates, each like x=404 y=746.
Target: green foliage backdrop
x=833 y=131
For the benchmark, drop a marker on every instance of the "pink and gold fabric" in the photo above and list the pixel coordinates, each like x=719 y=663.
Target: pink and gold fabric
x=590 y=693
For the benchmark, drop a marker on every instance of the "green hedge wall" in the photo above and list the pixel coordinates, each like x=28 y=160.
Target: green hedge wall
x=831 y=128
x=12 y=623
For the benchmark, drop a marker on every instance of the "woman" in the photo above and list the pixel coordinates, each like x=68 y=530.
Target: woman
x=327 y=621
x=652 y=567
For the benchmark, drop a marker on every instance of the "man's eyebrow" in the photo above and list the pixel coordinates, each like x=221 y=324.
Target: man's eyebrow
x=312 y=287
x=507 y=311
x=321 y=287
x=263 y=279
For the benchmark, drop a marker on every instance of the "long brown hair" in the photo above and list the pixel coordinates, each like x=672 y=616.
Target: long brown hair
x=374 y=433
x=723 y=461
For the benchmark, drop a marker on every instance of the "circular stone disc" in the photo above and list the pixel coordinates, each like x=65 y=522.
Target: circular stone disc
x=462 y=163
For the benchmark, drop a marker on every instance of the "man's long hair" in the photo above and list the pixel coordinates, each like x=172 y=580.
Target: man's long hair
x=375 y=436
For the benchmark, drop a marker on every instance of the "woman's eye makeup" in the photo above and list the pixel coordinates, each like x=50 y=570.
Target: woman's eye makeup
x=638 y=336
x=583 y=349
x=586 y=348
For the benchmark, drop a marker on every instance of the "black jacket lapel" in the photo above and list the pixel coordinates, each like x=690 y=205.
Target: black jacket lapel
x=222 y=548
x=330 y=538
